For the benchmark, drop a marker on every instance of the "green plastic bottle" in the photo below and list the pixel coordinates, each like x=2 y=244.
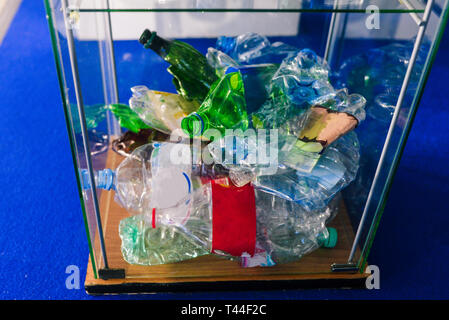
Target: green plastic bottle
x=224 y=108
x=232 y=99
x=192 y=74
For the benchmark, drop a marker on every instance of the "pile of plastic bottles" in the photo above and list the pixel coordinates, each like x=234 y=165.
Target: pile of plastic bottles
x=257 y=146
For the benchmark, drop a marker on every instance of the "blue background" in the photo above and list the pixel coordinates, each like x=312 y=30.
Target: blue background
x=41 y=225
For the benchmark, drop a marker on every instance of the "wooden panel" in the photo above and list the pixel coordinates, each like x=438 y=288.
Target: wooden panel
x=213 y=268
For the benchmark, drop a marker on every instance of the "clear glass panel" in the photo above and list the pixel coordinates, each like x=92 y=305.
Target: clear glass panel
x=109 y=60
x=382 y=135
x=92 y=82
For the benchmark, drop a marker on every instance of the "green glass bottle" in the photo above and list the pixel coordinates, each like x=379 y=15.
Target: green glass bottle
x=224 y=108
x=192 y=74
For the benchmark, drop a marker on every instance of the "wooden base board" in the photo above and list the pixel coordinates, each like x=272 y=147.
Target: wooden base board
x=212 y=272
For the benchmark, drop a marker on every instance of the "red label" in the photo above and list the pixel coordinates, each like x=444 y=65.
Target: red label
x=233 y=218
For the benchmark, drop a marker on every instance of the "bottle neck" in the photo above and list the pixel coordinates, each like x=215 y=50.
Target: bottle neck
x=150 y=40
x=195 y=124
x=212 y=171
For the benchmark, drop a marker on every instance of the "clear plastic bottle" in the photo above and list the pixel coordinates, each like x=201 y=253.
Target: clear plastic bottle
x=220 y=61
x=297 y=85
x=160 y=110
x=287 y=232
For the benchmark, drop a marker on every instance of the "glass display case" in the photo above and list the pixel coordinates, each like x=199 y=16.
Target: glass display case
x=351 y=71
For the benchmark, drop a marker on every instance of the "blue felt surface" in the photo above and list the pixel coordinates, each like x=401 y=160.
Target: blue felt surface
x=41 y=225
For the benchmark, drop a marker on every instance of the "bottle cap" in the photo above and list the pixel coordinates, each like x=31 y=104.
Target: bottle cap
x=331 y=240
x=146 y=35
x=147 y=38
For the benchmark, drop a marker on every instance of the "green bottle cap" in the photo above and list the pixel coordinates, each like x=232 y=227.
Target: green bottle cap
x=331 y=240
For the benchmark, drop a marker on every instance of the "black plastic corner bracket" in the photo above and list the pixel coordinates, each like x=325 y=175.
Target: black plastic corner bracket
x=348 y=267
x=106 y=274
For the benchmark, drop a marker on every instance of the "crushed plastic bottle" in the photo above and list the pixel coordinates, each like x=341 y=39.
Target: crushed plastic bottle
x=223 y=108
x=303 y=68
x=332 y=116
x=252 y=48
x=256 y=83
x=335 y=169
x=286 y=232
x=144 y=245
x=249 y=155
x=169 y=206
x=297 y=85
x=343 y=102
x=160 y=110
x=220 y=61
x=240 y=91
x=283 y=237
x=146 y=175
